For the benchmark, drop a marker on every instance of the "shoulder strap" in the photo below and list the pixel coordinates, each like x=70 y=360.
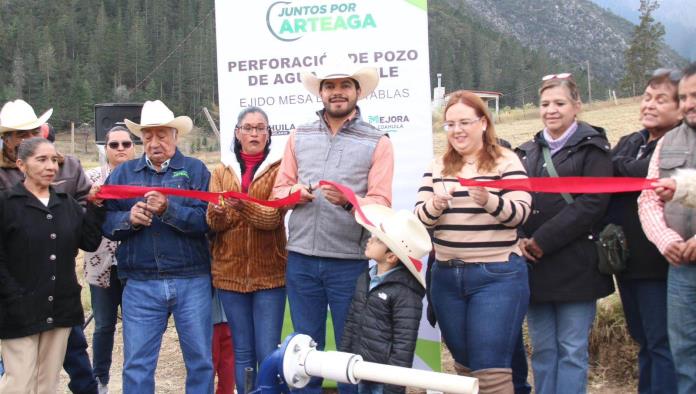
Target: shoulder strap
x=552 y=171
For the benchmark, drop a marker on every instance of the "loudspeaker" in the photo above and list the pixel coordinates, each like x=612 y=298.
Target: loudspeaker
x=107 y=115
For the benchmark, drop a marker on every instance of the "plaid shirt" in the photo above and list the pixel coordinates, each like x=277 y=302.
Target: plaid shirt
x=651 y=210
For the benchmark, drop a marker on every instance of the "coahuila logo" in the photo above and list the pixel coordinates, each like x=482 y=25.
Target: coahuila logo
x=289 y=23
x=388 y=122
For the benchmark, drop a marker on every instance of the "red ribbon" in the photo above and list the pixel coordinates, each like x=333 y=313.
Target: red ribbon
x=350 y=196
x=570 y=184
x=109 y=192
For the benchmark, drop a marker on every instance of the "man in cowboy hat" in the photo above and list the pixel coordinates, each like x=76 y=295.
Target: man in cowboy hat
x=382 y=325
x=326 y=246
x=18 y=121
x=163 y=254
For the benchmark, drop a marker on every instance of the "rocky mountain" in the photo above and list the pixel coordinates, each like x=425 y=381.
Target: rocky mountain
x=678 y=16
x=571 y=31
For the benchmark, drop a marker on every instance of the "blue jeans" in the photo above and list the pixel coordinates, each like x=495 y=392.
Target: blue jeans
x=645 y=308
x=681 y=324
x=105 y=303
x=256 y=321
x=480 y=308
x=313 y=283
x=146 y=307
x=76 y=363
x=560 y=332
x=370 y=388
x=520 y=370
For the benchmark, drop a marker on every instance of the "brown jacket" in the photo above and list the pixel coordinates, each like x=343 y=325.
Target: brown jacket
x=248 y=246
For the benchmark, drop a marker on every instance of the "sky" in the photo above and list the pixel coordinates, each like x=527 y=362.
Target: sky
x=678 y=16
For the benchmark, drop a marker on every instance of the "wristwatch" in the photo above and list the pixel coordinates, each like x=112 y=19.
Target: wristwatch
x=347 y=206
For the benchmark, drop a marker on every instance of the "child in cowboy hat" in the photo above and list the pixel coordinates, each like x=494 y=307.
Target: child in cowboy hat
x=382 y=325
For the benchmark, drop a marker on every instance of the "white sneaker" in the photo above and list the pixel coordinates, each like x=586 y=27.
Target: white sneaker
x=102 y=388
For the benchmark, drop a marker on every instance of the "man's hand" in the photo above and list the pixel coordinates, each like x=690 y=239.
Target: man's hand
x=140 y=215
x=689 y=253
x=665 y=188
x=305 y=193
x=531 y=249
x=674 y=253
x=333 y=195
x=479 y=194
x=156 y=202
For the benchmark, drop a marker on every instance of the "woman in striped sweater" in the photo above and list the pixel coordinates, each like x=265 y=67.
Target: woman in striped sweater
x=479 y=282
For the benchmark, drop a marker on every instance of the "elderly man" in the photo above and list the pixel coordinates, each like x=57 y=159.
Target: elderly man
x=669 y=225
x=326 y=246
x=163 y=254
x=18 y=121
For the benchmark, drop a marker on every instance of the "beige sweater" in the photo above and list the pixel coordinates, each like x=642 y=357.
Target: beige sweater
x=467 y=231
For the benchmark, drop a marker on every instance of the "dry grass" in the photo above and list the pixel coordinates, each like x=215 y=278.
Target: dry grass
x=613 y=366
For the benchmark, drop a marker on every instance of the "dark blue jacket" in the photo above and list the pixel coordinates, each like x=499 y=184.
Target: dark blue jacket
x=175 y=245
x=644 y=261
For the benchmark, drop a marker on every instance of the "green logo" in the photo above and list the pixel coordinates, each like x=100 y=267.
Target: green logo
x=181 y=173
x=288 y=22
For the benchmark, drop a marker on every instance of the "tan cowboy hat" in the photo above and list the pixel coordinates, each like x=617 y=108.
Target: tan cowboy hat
x=156 y=114
x=367 y=77
x=403 y=234
x=18 y=115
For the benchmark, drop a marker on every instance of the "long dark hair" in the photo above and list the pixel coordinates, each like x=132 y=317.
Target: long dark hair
x=237 y=145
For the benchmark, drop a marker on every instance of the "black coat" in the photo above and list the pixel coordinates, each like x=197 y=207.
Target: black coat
x=382 y=324
x=568 y=271
x=645 y=261
x=38 y=244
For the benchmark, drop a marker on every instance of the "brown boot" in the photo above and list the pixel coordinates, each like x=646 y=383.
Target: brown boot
x=494 y=380
x=462 y=370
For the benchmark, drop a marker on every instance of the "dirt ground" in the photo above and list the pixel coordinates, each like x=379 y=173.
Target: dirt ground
x=170 y=376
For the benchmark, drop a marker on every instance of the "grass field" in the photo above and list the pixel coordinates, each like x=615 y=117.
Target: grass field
x=613 y=369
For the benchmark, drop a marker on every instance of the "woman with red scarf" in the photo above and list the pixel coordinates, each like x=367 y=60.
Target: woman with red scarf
x=248 y=246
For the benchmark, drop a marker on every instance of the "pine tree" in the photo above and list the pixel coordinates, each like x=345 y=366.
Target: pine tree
x=641 y=55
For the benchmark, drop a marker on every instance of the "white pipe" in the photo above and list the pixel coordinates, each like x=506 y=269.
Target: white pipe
x=390 y=374
x=336 y=366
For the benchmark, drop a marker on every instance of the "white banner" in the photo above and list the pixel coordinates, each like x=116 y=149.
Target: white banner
x=264 y=46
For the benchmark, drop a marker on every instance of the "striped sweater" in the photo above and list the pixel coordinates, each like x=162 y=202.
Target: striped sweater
x=465 y=230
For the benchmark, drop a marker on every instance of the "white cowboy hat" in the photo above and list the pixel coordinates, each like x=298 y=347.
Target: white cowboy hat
x=156 y=114
x=403 y=234
x=367 y=77
x=18 y=115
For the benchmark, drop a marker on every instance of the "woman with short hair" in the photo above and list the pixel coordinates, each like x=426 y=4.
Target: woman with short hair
x=643 y=285
x=41 y=231
x=565 y=281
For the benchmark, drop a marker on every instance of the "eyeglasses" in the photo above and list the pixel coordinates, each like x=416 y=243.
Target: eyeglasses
x=463 y=124
x=124 y=144
x=673 y=74
x=556 y=76
x=248 y=129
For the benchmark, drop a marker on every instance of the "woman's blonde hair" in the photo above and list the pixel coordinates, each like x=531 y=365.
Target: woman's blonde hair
x=486 y=161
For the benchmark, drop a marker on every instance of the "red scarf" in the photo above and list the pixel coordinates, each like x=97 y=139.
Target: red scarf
x=250 y=161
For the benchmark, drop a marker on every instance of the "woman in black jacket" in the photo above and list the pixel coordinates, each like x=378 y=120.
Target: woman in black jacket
x=564 y=279
x=40 y=233
x=643 y=285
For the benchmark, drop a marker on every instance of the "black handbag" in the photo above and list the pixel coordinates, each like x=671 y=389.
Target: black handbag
x=612 y=250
